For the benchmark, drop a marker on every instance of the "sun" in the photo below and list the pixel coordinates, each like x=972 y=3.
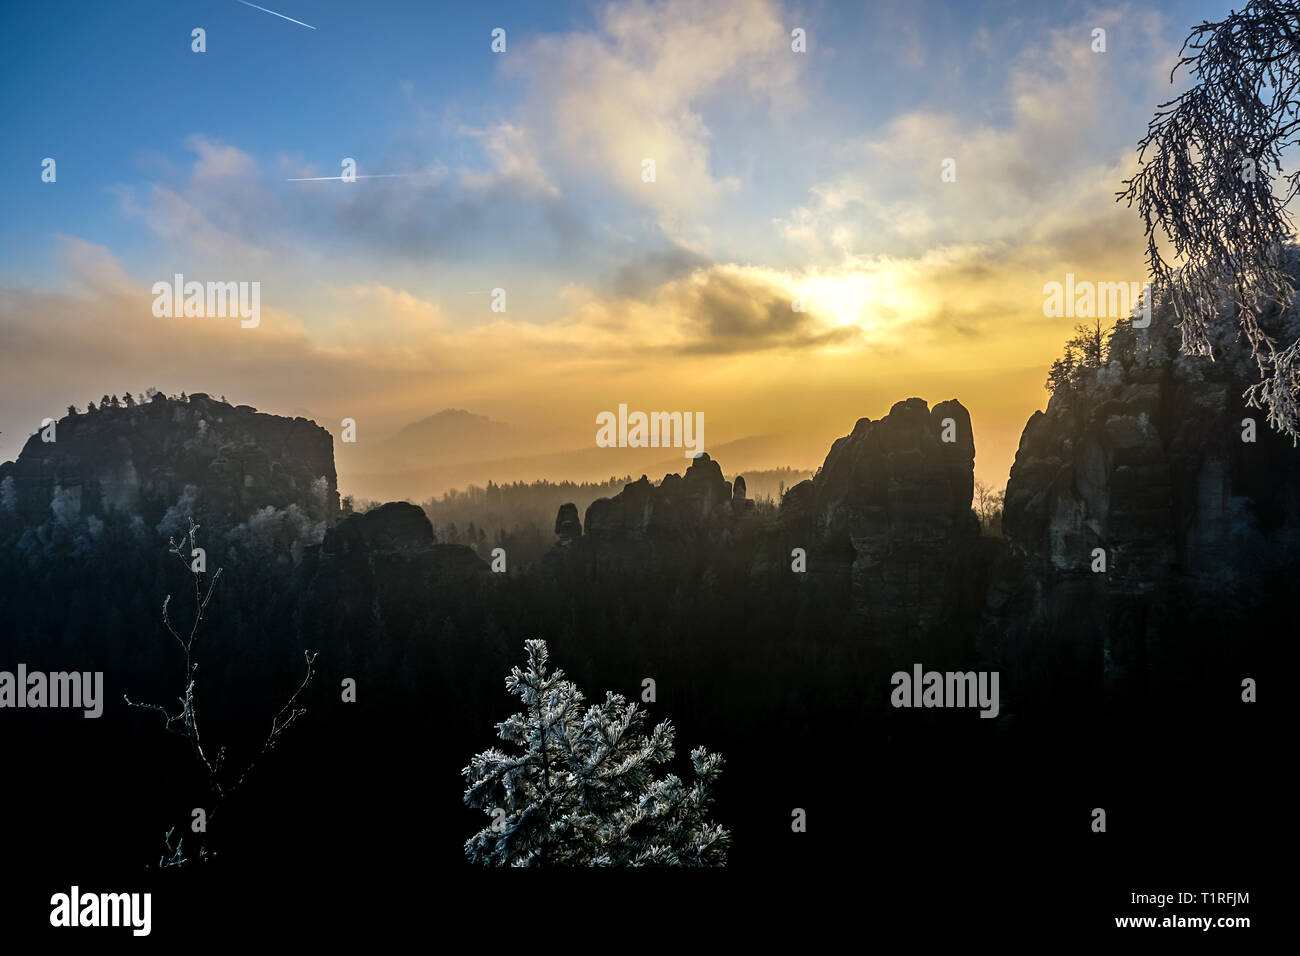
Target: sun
x=842 y=299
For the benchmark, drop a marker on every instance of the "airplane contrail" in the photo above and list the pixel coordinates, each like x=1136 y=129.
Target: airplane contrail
x=280 y=15
x=321 y=179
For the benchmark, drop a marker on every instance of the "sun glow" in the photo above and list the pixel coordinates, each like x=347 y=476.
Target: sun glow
x=852 y=300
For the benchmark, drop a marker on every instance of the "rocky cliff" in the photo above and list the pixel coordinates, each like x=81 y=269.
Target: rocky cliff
x=396 y=533
x=893 y=499
x=690 y=504
x=698 y=514
x=141 y=459
x=890 y=510
x=1151 y=527
x=389 y=555
x=373 y=587
x=1147 y=503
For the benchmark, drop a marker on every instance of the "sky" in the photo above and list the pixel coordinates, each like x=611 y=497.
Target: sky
x=813 y=177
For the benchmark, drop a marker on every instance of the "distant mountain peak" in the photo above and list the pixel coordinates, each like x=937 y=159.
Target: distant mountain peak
x=455 y=418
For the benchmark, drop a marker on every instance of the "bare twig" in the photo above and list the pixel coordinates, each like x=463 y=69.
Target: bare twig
x=185 y=722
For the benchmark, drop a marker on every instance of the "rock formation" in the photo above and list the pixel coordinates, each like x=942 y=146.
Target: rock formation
x=1136 y=512
x=376 y=573
x=140 y=459
x=567 y=525
x=396 y=534
x=697 y=502
x=740 y=502
x=893 y=499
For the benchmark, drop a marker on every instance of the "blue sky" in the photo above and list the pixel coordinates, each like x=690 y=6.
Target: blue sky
x=778 y=174
x=112 y=91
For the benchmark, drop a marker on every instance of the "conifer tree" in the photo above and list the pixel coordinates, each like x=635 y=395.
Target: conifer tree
x=582 y=792
x=1062 y=373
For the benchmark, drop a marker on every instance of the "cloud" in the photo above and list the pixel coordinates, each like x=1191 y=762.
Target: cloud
x=217 y=161
x=236 y=215
x=1054 y=163
x=900 y=275
x=722 y=338
x=371 y=314
x=514 y=162
x=646 y=81
x=637 y=278
x=1034 y=196
x=91 y=268
x=733 y=309
x=637 y=86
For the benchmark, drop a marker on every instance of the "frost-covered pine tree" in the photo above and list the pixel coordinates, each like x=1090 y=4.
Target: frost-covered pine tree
x=582 y=792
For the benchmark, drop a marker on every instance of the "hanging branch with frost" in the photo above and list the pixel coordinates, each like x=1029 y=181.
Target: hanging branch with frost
x=1211 y=182
x=185 y=721
x=175 y=855
x=582 y=790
